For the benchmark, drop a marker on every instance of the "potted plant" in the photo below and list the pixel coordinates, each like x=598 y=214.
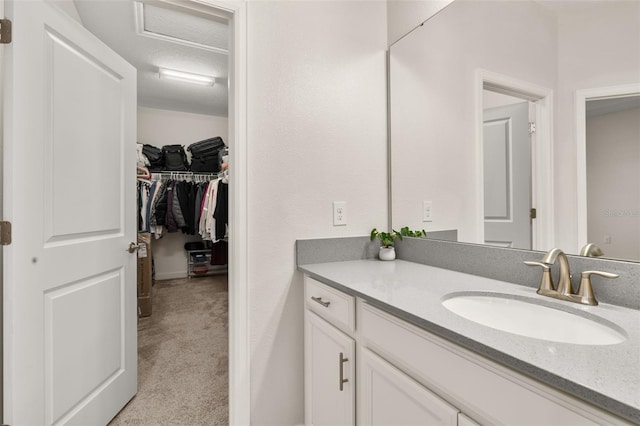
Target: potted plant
x=387 y=249
x=406 y=232
x=387 y=240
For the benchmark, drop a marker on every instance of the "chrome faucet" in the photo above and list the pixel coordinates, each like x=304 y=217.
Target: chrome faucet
x=564 y=291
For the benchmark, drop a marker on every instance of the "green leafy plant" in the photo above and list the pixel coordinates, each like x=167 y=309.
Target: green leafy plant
x=386 y=238
x=406 y=232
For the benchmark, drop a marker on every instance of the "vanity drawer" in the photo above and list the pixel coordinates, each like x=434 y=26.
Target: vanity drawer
x=333 y=305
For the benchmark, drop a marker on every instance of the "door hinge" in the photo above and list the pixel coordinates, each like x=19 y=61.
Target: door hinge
x=5 y=233
x=5 y=31
x=532 y=127
x=532 y=213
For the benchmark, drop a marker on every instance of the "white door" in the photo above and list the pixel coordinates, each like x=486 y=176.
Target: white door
x=69 y=282
x=329 y=374
x=387 y=396
x=507 y=176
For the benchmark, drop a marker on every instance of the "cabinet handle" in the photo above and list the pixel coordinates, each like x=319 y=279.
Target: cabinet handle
x=342 y=379
x=319 y=300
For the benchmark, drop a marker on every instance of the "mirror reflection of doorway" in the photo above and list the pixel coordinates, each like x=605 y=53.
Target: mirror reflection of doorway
x=507 y=171
x=613 y=175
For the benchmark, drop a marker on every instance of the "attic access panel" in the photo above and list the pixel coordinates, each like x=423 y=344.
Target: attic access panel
x=174 y=24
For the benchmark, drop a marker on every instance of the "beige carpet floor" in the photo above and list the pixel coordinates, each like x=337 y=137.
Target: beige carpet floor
x=182 y=356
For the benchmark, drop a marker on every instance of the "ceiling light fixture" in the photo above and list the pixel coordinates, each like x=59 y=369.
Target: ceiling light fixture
x=186 y=77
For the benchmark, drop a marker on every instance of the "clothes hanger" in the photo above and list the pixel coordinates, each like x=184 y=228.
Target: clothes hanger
x=142 y=173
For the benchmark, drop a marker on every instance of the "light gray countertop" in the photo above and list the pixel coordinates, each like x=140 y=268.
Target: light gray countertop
x=607 y=376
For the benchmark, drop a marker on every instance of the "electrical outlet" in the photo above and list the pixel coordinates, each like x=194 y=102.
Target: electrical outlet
x=339 y=213
x=427 y=211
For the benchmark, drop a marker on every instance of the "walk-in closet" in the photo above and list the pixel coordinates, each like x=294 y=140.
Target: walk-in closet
x=180 y=51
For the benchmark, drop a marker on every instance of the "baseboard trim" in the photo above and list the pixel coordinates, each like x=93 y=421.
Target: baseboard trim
x=171 y=275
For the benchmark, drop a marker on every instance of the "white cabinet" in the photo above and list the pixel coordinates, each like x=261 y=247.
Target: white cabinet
x=334 y=306
x=387 y=396
x=329 y=374
x=409 y=376
x=482 y=389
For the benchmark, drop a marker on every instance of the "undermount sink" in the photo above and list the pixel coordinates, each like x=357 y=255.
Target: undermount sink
x=529 y=317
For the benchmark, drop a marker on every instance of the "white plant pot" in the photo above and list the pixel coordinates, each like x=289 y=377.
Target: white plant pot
x=387 y=253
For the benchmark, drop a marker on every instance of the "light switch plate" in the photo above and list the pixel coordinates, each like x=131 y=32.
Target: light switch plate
x=427 y=211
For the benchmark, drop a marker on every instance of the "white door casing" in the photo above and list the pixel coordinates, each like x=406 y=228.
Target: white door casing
x=70 y=344
x=581 y=98
x=541 y=152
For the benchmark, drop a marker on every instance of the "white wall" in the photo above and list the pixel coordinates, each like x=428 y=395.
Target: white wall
x=613 y=177
x=68 y=7
x=404 y=15
x=599 y=47
x=433 y=103
x=316 y=134
x=161 y=127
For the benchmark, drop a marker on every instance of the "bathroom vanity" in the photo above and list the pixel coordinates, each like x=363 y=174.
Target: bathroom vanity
x=382 y=348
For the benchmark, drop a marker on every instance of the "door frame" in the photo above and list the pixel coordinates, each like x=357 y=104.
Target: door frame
x=239 y=326
x=581 y=98
x=2 y=218
x=541 y=152
x=235 y=11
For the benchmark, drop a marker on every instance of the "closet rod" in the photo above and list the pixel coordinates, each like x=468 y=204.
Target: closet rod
x=179 y=175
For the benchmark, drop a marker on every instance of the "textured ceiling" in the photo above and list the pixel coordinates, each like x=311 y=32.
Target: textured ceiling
x=203 y=38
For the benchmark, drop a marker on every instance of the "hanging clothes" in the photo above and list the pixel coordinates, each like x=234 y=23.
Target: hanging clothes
x=143 y=200
x=221 y=213
x=170 y=220
x=207 y=224
x=220 y=253
x=178 y=203
x=201 y=187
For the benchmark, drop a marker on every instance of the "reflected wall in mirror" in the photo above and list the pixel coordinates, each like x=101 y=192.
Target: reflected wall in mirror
x=611 y=148
x=541 y=52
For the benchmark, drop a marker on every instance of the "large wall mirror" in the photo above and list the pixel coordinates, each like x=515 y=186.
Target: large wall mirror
x=516 y=123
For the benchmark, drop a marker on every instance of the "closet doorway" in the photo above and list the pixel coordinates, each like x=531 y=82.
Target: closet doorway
x=206 y=40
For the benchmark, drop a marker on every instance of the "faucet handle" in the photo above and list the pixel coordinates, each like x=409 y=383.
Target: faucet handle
x=546 y=283
x=585 y=291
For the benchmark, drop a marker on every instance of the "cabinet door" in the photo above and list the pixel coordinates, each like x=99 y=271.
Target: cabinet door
x=329 y=374
x=387 y=396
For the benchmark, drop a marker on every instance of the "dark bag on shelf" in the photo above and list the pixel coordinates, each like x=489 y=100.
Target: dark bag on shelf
x=155 y=157
x=205 y=165
x=206 y=148
x=175 y=159
x=194 y=245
